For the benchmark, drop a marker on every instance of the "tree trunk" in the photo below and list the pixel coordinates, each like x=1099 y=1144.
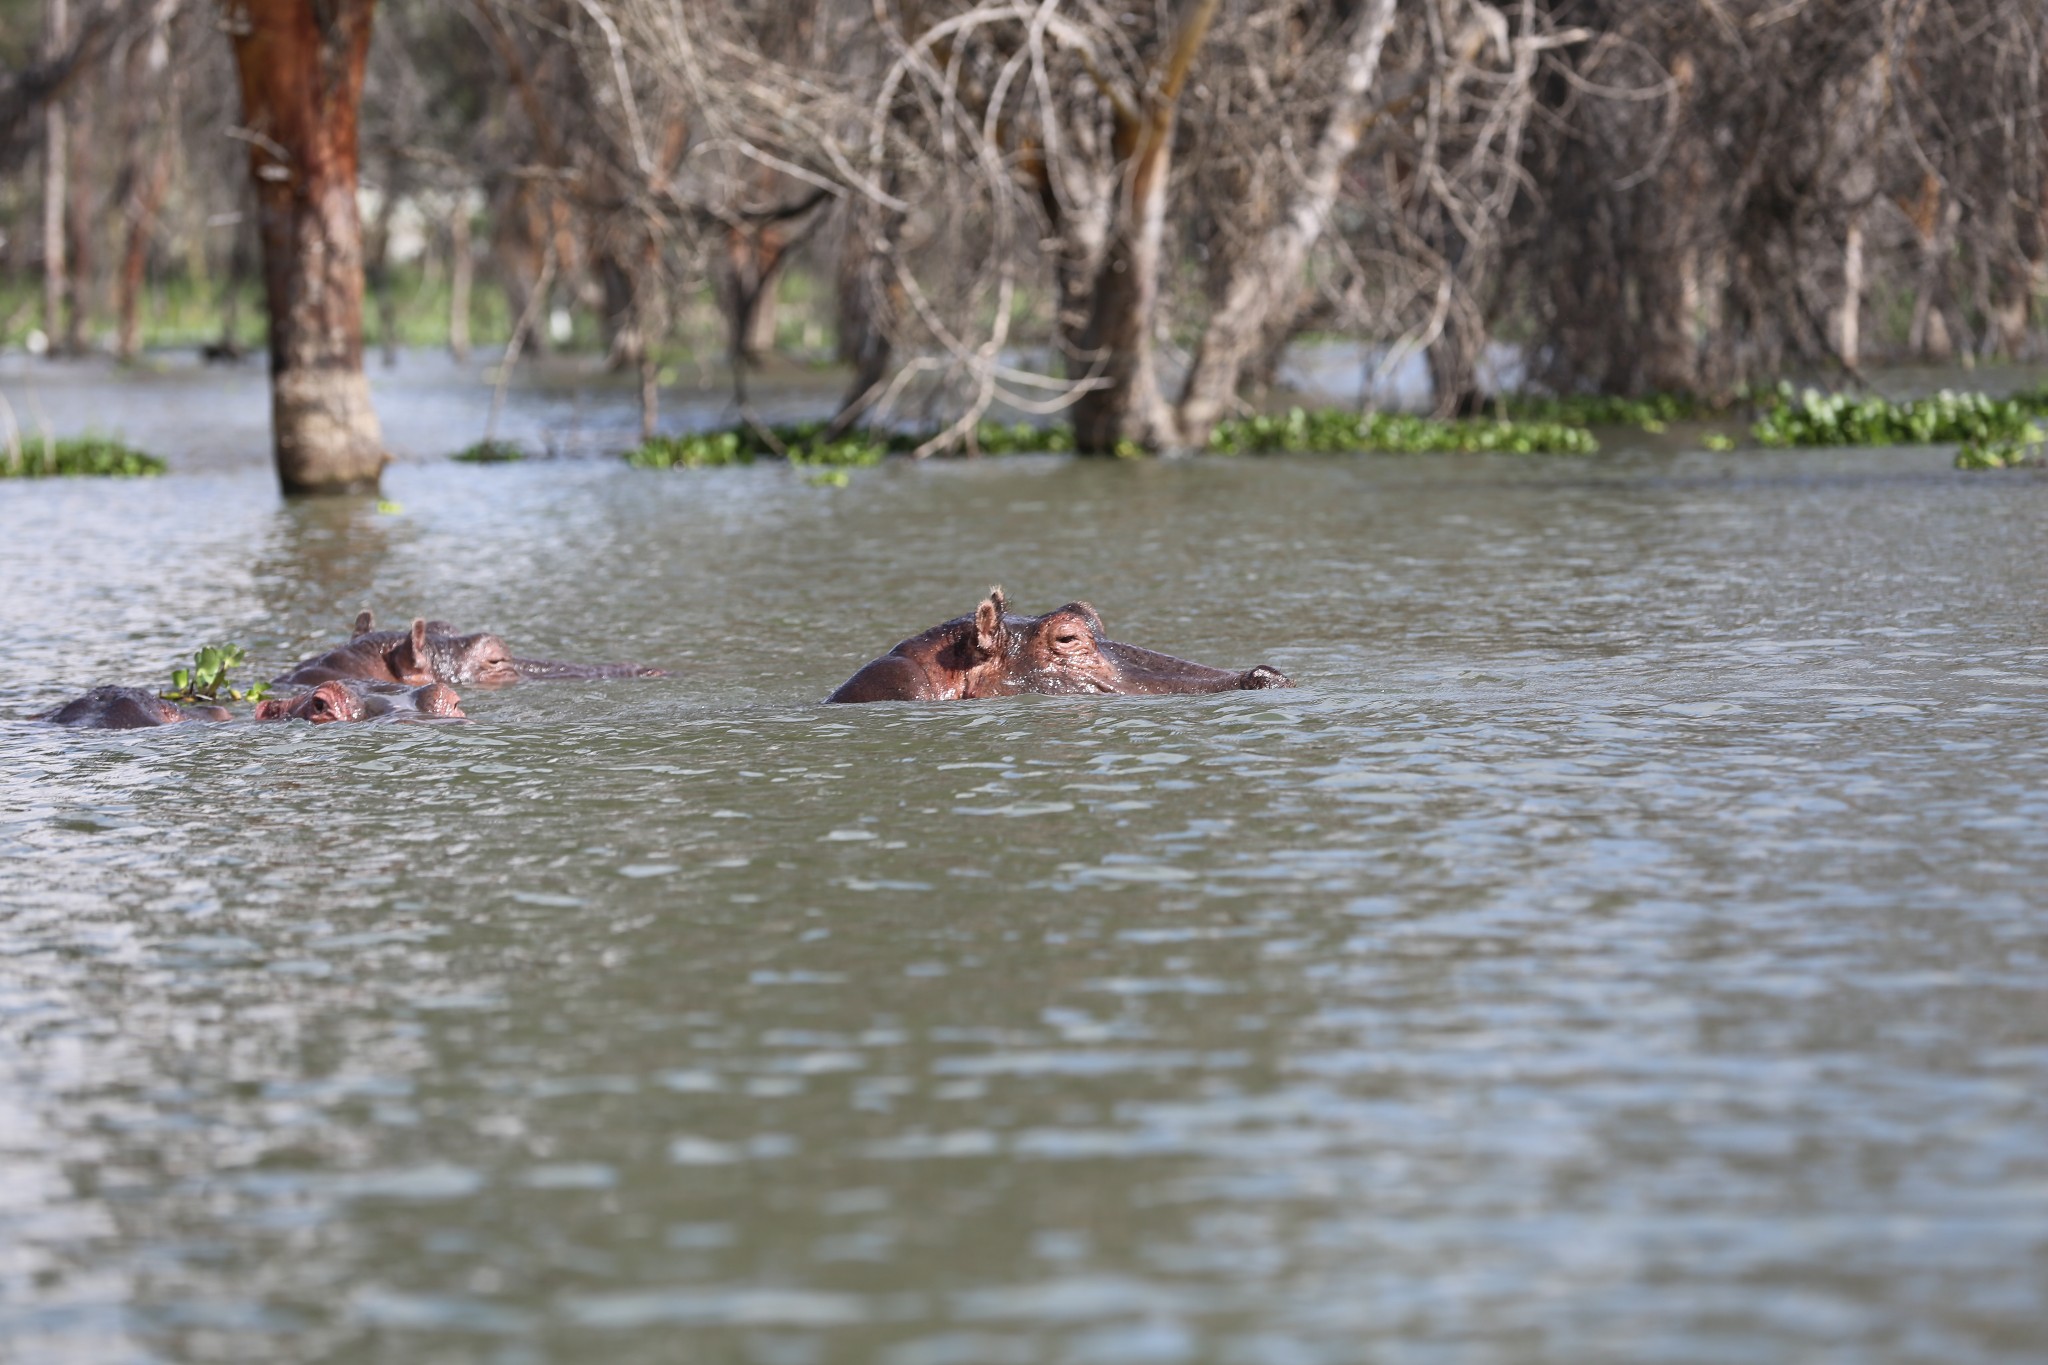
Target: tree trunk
x=56 y=31
x=148 y=200
x=1116 y=344
x=301 y=72
x=461 y=275
x=867 y=298
x=1849 y=317
x=377 y=266
x=1267 y=281
x=78 y=225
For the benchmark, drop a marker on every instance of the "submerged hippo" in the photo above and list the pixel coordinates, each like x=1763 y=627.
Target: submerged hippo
x=346 y=699
x=125 y=708
x=433 y=651
x=995 y=654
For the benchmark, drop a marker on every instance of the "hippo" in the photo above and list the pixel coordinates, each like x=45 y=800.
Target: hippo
x=346 y=699
x=434 y=651
x=125 y=708
x=996 y=654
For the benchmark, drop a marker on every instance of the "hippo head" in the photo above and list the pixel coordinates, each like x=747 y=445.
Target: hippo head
x=432 y=652
x=1065 y=652
x=349 y=701
x=330 y=701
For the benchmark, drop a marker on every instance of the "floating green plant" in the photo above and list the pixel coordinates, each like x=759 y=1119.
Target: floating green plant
x=697 y=450
x=1810 y=417
x=208 y=676
x=76 y=455
x=1649 y=411
x=1334 y=431
x=1997 y=455
x=1328 y=431
x=490 y=452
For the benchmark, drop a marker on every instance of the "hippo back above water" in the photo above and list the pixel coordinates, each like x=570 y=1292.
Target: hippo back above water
x=994 y=653
x=434 y=651
x=125 y=708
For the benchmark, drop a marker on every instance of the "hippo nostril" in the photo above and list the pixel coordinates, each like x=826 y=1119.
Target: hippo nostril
x=1264 y=676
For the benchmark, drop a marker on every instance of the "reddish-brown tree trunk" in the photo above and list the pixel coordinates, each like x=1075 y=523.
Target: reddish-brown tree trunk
x=301 y=69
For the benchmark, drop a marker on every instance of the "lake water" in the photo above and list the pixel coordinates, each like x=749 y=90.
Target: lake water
x=1628 y=944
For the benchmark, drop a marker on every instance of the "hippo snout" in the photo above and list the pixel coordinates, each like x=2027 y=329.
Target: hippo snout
x=1265 y=675
x=439 y=699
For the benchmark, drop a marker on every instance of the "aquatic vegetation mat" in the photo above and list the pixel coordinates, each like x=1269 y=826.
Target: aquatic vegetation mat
x=1327 y=431
x=1333 y=431
x=1810 y=417
x=490 y=452
x=77 y=455
x=1649 y=411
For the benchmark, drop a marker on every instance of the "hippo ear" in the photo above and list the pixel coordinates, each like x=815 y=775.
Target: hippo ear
x=990 y=634
x=408 y=657
x=366 y=621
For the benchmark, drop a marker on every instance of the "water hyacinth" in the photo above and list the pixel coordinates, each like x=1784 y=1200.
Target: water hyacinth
x=1334 y=431
x=490 y=452
x=77 y=455
x=1328 y=431
x=1813 y=418
x=1650 y=411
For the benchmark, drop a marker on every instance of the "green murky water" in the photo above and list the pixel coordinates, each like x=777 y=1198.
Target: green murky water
x=1626 y=945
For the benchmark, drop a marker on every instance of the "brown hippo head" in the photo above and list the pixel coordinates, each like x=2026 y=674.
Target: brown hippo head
x=434 y=651
x=996 y=653
x=348 y=700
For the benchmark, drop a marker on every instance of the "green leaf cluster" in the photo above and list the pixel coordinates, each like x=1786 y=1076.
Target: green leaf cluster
x=208 y=675
x=490 y=452
x=1997 y=455
x=1650 y=411
x=1813 y=418
x=73 y=455
x=1327 y=431
x=1335 y=431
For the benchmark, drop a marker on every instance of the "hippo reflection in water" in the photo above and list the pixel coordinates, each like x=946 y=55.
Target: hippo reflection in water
x=996 y=654
x=434 y=651
x=348 y=699
x=125 y=708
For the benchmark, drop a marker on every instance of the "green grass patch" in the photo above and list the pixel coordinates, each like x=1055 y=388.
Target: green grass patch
x=77 y=455
x=1334 y=431
x=1810 y=417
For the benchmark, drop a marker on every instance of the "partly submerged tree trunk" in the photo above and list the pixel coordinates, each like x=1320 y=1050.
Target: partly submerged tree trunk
x=301 y=68
x=1267 y=281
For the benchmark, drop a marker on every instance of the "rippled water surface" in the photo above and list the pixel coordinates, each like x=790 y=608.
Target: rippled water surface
x=1626 y=945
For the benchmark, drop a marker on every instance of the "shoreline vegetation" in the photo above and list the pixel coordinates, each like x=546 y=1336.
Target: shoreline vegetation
x=1989 y=433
